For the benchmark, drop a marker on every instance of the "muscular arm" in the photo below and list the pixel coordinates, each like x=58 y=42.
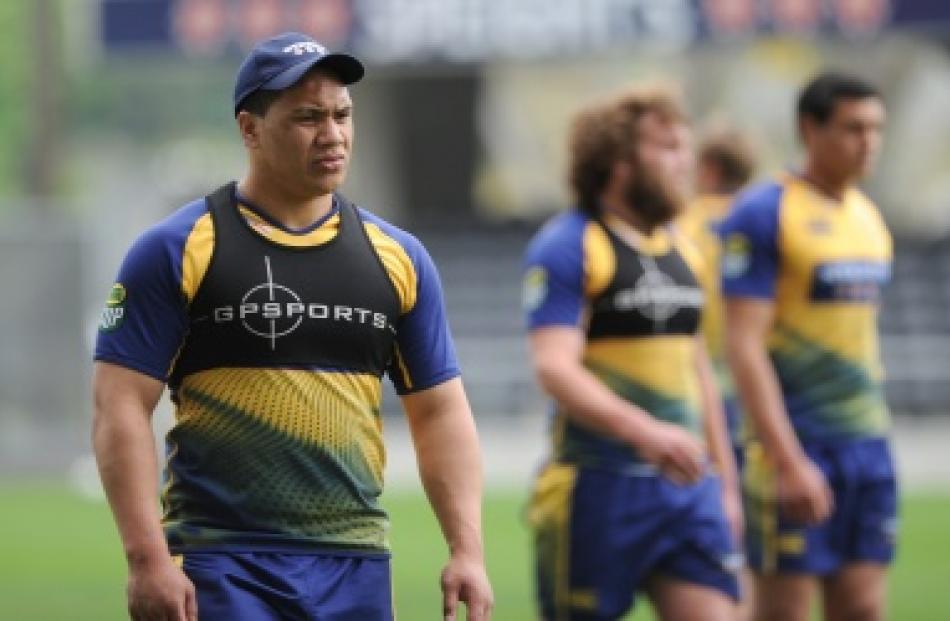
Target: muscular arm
x=802 y=488
x=125 y=451
x=556 y=352
x=450 y=466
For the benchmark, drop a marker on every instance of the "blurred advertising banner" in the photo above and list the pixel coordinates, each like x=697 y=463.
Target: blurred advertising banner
x=213 y=27
x=387 y=31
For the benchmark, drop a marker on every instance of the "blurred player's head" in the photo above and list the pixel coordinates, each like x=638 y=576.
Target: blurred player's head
x=725 y=161
x=294 y=113
x=629 y=152
x=840 y=120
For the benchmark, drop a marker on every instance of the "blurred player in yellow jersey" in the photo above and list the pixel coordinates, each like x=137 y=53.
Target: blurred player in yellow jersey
x=639 y=496
x=725 y=162
x=805 y=257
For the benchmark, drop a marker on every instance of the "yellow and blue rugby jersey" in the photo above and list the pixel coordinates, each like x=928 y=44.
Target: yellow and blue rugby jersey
x=700 y=225
x=261 y=457
x=823 y=262
x=640 y=310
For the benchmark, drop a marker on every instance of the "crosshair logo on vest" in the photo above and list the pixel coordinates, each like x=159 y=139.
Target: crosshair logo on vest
x=271 y=310
x=657 y=296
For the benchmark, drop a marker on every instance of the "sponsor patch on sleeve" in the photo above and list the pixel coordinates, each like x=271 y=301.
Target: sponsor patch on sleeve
x=736 y=255
x=114 y=311
x=534 y=289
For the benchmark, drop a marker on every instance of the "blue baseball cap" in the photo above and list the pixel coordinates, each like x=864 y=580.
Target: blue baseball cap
x=281 y=61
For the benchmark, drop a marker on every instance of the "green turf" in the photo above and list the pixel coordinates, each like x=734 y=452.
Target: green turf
x=61 y=558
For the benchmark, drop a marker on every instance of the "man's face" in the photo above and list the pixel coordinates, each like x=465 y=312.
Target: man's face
x=847 y=145
x=662 y=169
x=306 y=136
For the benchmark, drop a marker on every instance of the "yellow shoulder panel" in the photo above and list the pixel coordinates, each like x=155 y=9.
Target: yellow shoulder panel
x=398 y=265
x=196 y=256
x=600 y=263
x=873 y=216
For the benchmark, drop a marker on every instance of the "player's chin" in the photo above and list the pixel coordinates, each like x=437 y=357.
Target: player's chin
x=325 y=183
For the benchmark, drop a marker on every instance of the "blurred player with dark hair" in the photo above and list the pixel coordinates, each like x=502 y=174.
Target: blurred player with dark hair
x=629 y=501
x=804 y=260
x=725 y=162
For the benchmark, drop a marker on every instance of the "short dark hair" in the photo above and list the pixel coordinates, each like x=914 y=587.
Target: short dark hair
x=818 y=98
x=259 y=101
x=732 y=153
x=606 y=131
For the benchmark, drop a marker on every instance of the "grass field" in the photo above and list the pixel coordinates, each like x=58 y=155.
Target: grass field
x=62 y=561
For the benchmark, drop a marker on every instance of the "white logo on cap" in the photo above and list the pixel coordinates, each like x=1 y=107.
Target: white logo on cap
x=304 y=47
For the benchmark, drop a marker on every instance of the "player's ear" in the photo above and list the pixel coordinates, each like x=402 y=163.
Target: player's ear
x=806 y=128
x=249 y=126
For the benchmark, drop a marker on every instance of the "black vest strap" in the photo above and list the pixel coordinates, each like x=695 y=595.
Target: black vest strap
x=222 y=198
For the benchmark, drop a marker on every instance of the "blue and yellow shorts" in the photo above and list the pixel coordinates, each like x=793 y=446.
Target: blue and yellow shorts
x=863 y=526
x=600 y=534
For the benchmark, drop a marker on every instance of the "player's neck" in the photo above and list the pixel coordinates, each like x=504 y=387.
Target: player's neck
x=829 y=185
x=628 y=217
x=285 y=207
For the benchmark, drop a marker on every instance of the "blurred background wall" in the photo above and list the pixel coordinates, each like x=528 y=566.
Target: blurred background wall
x=115 y=112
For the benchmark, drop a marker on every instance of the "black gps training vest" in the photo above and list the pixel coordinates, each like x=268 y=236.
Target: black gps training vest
x=647 y=296
x=265 y=305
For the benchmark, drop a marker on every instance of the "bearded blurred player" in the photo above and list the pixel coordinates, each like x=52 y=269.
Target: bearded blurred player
x=636 y=496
